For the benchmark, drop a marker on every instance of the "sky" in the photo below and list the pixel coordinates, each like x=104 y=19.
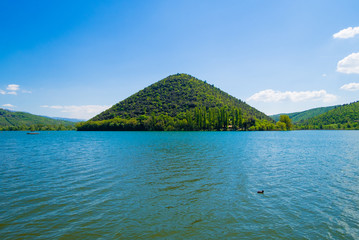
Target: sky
x=74 y=59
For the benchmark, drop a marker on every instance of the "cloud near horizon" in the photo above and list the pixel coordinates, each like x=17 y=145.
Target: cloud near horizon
x=350 y=87
x=13 y=89
x=270 y=95
x=2 y=92
x=349 y=32
x=9 y=106
x=349 y=64
x=80 y=112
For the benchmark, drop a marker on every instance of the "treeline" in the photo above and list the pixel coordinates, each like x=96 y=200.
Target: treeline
x=197 y=119
x=38 y=127
x=333 y=126
x=344 y=117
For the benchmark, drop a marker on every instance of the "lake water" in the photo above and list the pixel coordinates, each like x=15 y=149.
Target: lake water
x=179 y=185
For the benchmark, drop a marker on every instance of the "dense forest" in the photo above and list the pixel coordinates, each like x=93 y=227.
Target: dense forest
x=174 y=95
x=341 y=117
x=219 y=119
x=180 y=102
x=15 y=121
x=304 y=115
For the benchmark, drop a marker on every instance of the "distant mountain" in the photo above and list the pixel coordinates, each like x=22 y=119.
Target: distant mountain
x=341 y=117
x=11 y=120
x=299 y=116
x=178 y=102
x=75 y=120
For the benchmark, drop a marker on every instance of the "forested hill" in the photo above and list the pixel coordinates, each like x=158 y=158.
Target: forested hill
x=176 y=94
x=299 y=116
x=10 y=120
x=179 y=102
x=342 y=117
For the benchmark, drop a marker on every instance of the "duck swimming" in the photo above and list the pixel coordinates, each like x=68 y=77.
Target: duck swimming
x=261 y=191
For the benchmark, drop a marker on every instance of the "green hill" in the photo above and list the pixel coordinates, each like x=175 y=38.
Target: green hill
x=342 y=117
x=299 y=116
x=178 y=102
x=10 y=120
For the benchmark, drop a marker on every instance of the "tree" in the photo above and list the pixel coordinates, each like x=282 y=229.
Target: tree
x=281 y=126
x=287 y=121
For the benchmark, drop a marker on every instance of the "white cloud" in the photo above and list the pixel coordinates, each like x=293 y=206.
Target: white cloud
x=347 y=33
x=349 y=64
x=9 y=106
x=271 y=95
x=81 y=112
x=13 y=87
x=350 y=87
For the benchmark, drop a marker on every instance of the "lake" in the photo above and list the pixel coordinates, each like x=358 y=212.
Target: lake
x=179 y=185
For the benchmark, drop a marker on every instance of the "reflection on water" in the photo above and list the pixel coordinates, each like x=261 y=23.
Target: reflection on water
x=196 y=185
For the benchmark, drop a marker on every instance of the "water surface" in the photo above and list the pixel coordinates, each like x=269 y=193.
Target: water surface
x=179 y=185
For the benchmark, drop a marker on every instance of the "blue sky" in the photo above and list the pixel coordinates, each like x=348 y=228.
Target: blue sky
x=76 y=58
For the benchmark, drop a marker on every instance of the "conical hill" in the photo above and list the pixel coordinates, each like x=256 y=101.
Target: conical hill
x=177 y=94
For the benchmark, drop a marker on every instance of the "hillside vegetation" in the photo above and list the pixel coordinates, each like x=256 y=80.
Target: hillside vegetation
x=300 y=116
x=180 y=102
x=173 y=95
x=342 y=117
x=10 y=120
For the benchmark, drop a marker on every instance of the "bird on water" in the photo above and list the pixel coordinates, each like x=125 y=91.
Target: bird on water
x=261 y=191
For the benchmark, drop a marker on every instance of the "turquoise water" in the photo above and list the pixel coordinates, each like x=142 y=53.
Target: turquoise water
x=179 y=185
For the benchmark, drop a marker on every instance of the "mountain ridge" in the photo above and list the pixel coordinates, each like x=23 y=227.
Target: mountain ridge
x=16 y=120
x=345 y=116
x=303 y=115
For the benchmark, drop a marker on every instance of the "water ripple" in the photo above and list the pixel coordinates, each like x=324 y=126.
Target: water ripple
x=200 y=185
